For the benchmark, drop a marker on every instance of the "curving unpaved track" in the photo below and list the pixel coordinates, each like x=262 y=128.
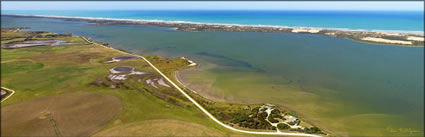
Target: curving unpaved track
x=13 y=92
x=202 y=108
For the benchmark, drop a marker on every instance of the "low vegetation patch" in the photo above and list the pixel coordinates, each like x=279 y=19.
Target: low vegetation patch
x=20 y=66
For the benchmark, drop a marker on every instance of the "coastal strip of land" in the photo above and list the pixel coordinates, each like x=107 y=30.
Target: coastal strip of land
x=200 y=106
x=396 y=38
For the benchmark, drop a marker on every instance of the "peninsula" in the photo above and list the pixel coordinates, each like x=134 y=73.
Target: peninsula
x=134 y=86
x=396 y=38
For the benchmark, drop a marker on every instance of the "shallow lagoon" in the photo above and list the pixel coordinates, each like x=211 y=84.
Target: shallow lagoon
x=347 y=87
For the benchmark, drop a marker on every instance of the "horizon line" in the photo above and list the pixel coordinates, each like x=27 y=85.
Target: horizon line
x=207 y=9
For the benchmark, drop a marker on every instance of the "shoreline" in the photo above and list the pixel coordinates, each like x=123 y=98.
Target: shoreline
x=178 y=79
x=295 y=28
x=377 y=37
x=306 y=119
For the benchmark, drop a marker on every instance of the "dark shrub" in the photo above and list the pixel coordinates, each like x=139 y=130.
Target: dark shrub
x=291 y=123
x=283 y=126
x=271 y=119
x=313 y=130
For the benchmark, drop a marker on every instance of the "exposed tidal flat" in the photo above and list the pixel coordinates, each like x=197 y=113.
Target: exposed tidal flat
x=347 y=87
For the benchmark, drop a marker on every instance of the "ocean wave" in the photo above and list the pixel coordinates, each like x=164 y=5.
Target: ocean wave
x=222 y=24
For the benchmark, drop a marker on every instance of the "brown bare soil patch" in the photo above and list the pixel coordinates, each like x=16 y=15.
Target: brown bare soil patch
x=162 y=127
x=72 y=114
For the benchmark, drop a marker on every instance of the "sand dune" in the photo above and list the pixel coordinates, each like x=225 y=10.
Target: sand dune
x=386 y=40
x=415 y=38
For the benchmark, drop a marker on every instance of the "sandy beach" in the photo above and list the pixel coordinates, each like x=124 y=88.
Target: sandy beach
x=306 y=30
x=415 y=38
x=384 y=37
x=386 y=40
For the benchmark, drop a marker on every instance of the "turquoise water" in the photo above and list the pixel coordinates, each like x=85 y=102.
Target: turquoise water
x=347 y=87
x=366 y=20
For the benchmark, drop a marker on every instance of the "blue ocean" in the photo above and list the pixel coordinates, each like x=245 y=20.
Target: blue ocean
x=397 y=21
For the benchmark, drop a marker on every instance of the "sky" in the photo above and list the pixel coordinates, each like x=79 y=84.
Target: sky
x=211 y=5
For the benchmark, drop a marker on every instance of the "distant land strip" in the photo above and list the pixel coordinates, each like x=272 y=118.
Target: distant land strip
x=395 y=38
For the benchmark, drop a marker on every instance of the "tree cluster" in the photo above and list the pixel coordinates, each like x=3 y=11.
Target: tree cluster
x=296 y=122
x=253 y=120
x=275 y=113
x=283 y=126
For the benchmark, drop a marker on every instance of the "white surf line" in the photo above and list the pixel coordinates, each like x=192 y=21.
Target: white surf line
x=202 y=108
x=13 y=92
